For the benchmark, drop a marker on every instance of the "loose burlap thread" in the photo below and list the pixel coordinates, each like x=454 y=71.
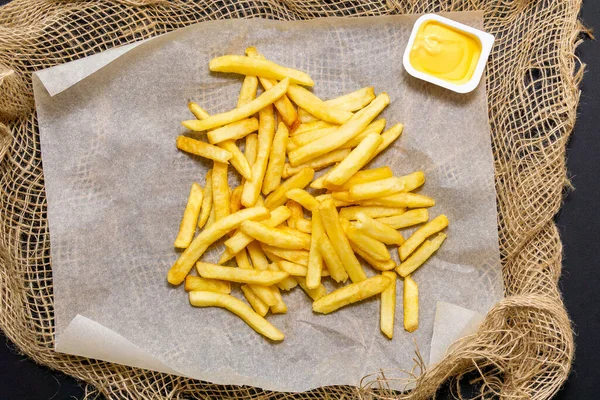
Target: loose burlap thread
x=523 y=349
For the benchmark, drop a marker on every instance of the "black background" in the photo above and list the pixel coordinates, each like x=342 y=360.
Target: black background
x=578 y=221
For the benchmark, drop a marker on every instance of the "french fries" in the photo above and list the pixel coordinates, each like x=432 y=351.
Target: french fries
x=373 y=127
x=251 y=148
x=380 y=188
x=349 y=102
x=296 y=210
x=276 y=160
x=314 y=265
x=220 y=191
x=240 y=275
x=258 y=257
x=408 y=200
x=304 y=198
x=233 y=131
x=388 y=306
x=230 y=303
x=406 y=219
x=258 y=67
x=296 y=256
x=202 y=149
x=318 y=163
x=248 y=91
x=257 y=304
x=388 y=137
x=274 y=236
x=357 y=159
x=238 y=160
x=311 y=103
x=421 y=255
x=280 y=307
x=286 y=284
x=327 y=251
x=367 y=244
x=210 y=285
x=413 y=181
x=415 y=240
x=314 y=293
x=298 y=181
x=387 y=265
x=351 y=294
x=187 y=228
x=377 y=230
x=411 y=304
x=198 y=111
x=350 y=213
x=304 y=138
x=368 y=175
x=235 y=201
x=312 y=126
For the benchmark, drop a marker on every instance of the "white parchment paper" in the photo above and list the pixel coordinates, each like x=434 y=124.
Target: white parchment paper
x=116 y=188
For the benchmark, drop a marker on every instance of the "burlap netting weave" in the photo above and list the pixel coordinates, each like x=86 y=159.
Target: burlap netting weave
x=523 y=349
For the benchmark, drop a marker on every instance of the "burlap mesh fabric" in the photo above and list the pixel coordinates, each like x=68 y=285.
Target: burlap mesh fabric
x=523 y=349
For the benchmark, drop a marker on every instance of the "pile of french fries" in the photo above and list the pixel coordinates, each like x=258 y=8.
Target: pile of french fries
x=358 y=213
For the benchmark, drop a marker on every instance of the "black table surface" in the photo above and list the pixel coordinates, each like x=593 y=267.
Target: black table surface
x=578 y=221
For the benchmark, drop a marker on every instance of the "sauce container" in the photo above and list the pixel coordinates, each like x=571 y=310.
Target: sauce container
x=447 y=53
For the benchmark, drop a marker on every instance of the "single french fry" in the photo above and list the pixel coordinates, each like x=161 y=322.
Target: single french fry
x=334 y=230
x=266 y=132
x=279 y=307
x=305 y=199
x=388 y=137
x=296 y=210
x=380 y=188
x=313 y=293
x=198 y=111
x=210 y=285
x=286 y=284
x=252 y=276
x=367 y=175
x=187 y=228
x=326 y=249
x=354 y=161
x=234 y=131
x=312 y=126
x=220 y=191
x=214 y=121
x=240 y=240
x=350 y=213
x=404 y=220
x=345 y=197
x=251 y=148
x=352 y=293
x=208 y=236
x=284 y=106
x=235 y=204
x=290 y=146
x=377 y=230
x=248 y=90
x=296 y=256
x=373 y=127
x=338 y=203
x=388 y=306
x=257 y=255
x=412 y=181
x=311 y=103
x=211 y=218
x=258 y=67
x=367 y=244
x=206 y=200
x=411 y=304
x=276 y=160
x=408 y=200
x=318 y=163
x=291 y=268
x=202 y=149
x=257 y=304
x=350 y=102
x=242 y=260
x=274 y=236
x=263 y=292
x=298 y=181
x=304 y=225
x=415 y=240
x=230 y=303
x=387 y=265
x=238 y=161
x=422 y=254
x=351 y=128
x=307 y=137
x=314 y=265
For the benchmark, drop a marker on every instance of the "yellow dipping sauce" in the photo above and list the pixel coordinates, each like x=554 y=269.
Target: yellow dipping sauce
x=444 y=52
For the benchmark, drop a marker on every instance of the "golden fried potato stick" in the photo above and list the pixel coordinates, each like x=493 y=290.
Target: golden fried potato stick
x=209 y=285
x=349 y=102
x=242 y=260
x=388 y=137
x=202 y=149
x=230 y=303
x=234 y=131
x=295 y=256
x=380 y=188
x=415 y=240
x=198 y=111
x=296 y=210
x=313 y=293
x=187 y=228
x=280 y=307
x=413 y=181
x=378 y=265
x=357 y=159
x=422 y=254
x=314 y=105
x=208 y=236
x=404 y=220
x=367 y=244
x=408 y=200
x=220 y=191
x=304 y=225
x=334 y=230
x=318 y=163
x=377 y=229
x=338 y=203
x=251 y=148
x=252 y=276
x=366 y=175
x=266 y=132
x=352 y=293
x=235 y=204
x=263 y=292
x=307 y=137
x=350 y=213
x=388 y=306
x=314 y=266
x=276 y=160
x=287 y=266
x=240 y=240
x=327 y=252
x=353 y=127
x=298 y=181
x=294 y=232
x=211 y=218
x=411 y=304
x=257 y=255
x=304 y=198
x=258 y=67
x=238 y=160
x=311 y=126
x=373 y=127
x=214 y=121
x=248 y=90
x=257 y=304
x=274 y=236
x=288 y=283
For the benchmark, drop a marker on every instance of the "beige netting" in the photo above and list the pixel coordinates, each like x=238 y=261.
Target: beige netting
x=525 y=346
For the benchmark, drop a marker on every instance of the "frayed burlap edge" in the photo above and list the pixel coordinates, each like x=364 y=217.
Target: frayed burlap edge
x=523 y=349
